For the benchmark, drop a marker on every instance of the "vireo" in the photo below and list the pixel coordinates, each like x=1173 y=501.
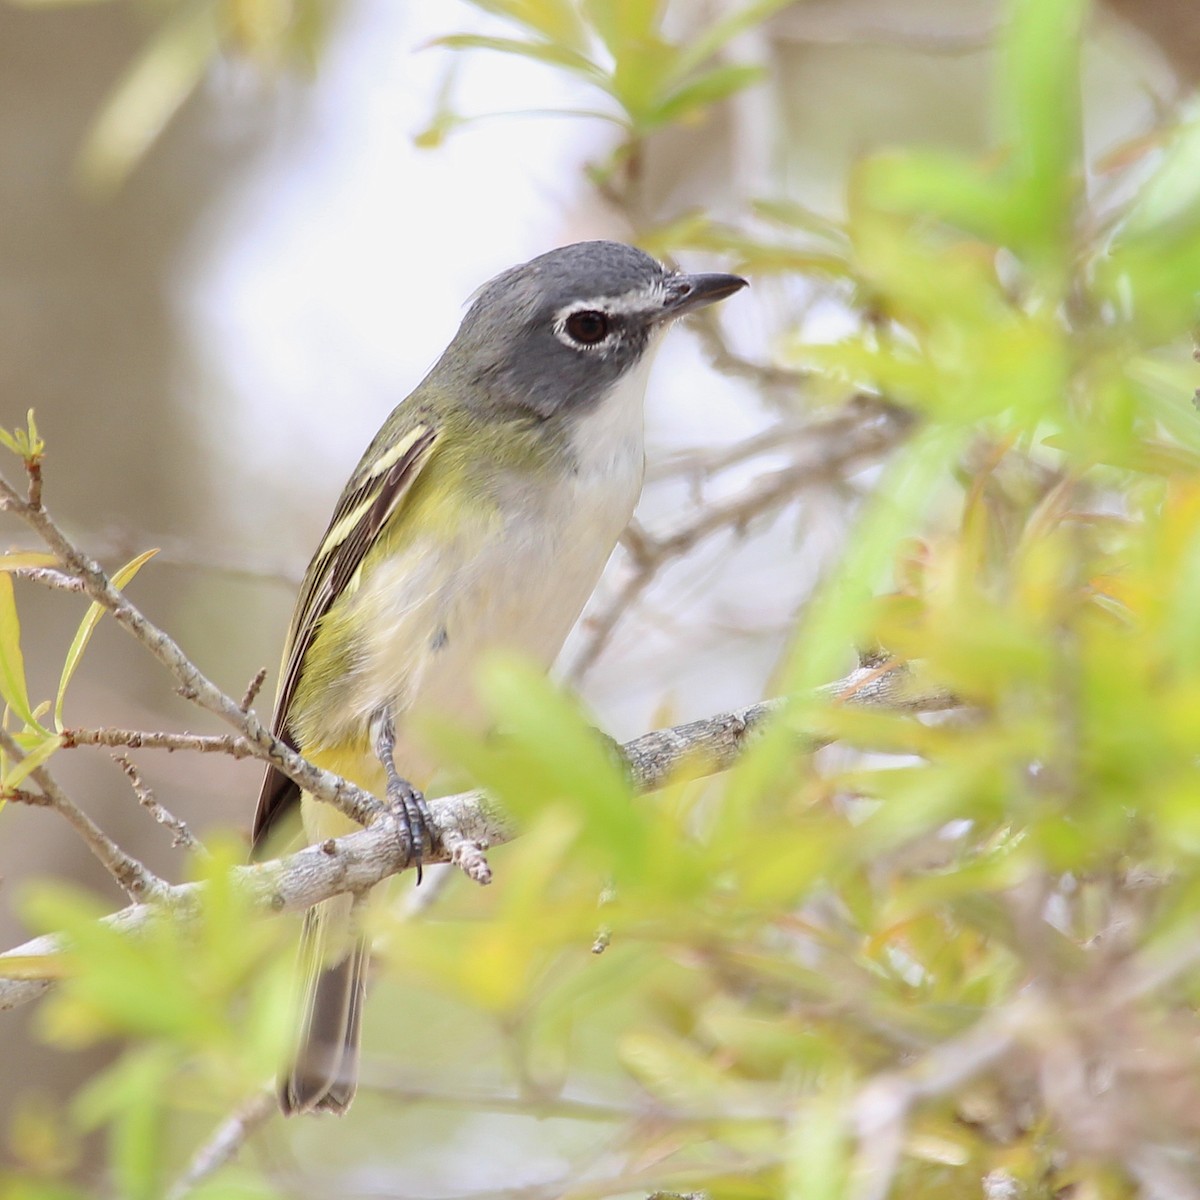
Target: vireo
x=479 y=518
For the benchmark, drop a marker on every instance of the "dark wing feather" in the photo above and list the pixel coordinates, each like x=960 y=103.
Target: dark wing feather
x=369 y=500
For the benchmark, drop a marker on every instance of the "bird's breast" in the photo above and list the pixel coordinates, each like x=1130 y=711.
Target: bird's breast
x=516 y=579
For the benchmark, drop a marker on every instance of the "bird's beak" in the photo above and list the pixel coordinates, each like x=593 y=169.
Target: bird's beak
x=686 y=293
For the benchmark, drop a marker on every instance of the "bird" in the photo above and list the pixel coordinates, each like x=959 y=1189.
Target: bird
x=479 y=519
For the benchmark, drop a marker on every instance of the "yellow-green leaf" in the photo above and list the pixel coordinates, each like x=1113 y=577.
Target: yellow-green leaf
x=88 y=626
x=20 y=560
x=33 y=966
x=544 y=52
x=12 y=661
x=150 y=93
x=32 y=760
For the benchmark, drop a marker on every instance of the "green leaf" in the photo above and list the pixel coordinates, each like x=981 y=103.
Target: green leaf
x=704 y=91
x=19 y=560
x=31 y=761
x=941 y=185
x=130 y=1096
x=699 y=49
x=1040 y=105
x=150 y=93
x=87 y=627
x=543 y=52
x=36 y=446
x=837 y=616
x=798 y=216
x=557 y=21
x=12 y=661
x=623 y=24
x=819 y=1155
x=1171 y=196
x=33 y=966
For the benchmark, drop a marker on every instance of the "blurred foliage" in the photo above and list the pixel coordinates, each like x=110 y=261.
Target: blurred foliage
x=805 y=928
x=622 y=51
x=187 y=37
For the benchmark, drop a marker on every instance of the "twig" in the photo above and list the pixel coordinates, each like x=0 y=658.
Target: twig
x=766 y=376
x=358 y=804
x=181 y=835
x=860 y=432
x=33 y=470
x=465 y=824
x=782 y=434
x=134 y=878
x=139 y=739
x=880 y=1110
x=229 y=1137
x=49 y=577
x=253 y=688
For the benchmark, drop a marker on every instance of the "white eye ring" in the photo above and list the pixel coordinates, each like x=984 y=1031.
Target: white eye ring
x=584 y=328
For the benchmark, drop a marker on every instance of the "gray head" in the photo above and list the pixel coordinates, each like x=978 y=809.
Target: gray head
x=556 y=333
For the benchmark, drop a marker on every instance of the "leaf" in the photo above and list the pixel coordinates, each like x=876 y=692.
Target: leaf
x=1040 y=101
x=12 y=661
x=150 y=93
x=31 y=761
x=1172 y=194
x=798 y=216
x=557 y=21
x=33 y=966
x=130 y=1096
x=623 y=23
x=20 y=560
x=704 y=91
x=543 y=52
x=698 y=50
x=819 y=1151
x=88 y=626
x=941 y=185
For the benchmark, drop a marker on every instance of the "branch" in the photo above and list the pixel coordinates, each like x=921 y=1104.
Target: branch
x=463 y=825
x=141 y=739
x=225 y=1142
x=137 y=881
x=358 y=804
x=825 y=451
x=181 y=835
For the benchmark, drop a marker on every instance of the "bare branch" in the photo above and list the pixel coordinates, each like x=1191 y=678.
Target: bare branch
x=139 y=739
x=33 y=470
x=49 y=577
x=463 y=825
x=181 y=835
x=227 y=1140
x=135 y=879
x=357 y=804
x=253 y=688
x=825 y=452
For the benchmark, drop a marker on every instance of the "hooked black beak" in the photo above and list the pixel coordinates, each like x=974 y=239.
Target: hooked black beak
x=686 y=293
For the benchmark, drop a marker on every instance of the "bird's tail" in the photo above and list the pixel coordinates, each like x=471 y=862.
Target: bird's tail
x=323 y=1074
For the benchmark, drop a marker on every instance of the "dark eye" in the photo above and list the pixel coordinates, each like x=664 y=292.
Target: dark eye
x=587 y=327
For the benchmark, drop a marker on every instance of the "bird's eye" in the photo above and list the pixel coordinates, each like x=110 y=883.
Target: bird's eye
x=587 y=327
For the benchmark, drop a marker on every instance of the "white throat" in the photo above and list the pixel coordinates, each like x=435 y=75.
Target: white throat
x=609 y=442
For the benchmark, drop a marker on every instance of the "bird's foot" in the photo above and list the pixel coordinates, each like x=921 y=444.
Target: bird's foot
x=408 y=807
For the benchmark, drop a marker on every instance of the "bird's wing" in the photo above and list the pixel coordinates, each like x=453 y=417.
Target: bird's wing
x=376 y=489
